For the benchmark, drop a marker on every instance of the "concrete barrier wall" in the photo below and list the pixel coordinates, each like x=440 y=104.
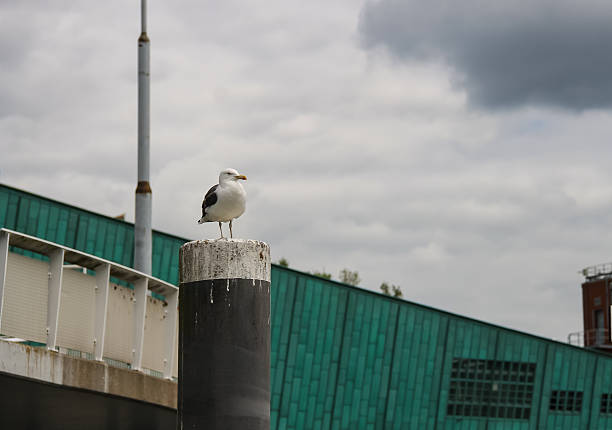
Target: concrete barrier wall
x=31 y=404
x=49 y=366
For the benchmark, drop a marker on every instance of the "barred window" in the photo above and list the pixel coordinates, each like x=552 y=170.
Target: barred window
x=606 y=404
x=566 y=401
x=491 y=388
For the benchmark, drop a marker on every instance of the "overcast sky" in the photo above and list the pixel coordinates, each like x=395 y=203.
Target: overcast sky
x=459 y=149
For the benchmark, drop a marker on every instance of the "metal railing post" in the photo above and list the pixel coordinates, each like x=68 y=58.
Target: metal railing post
x=170 y=333
x=102 y=283
x=4 y=249
x=56 y=269
x=140 y=311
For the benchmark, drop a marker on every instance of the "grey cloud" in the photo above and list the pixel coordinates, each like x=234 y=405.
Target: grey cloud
x=504 y=54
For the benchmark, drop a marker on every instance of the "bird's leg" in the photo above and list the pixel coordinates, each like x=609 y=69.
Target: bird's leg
x=231 y=234
x=220 y=229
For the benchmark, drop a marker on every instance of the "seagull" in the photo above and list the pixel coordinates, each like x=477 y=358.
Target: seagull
x=225 y=201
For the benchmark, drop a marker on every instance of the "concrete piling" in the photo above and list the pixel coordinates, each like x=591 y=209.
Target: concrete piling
x=224 y=335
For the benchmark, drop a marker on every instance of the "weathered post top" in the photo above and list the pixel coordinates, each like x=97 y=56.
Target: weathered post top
x=224 y=259
x=224 y=335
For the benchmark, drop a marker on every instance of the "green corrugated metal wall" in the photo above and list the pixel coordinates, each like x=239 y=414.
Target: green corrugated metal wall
x=86 y=231
x=346 y=358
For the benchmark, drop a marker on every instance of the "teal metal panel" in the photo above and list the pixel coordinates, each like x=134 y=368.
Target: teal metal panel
x=346 y=358
x=602 y=383
x=77 y=228
x=572 y=371
x=466 y=339
x=414 y=382
x=4 y=204
x=516 y=347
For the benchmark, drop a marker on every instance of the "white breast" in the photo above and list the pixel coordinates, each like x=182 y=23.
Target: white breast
x=231 y=202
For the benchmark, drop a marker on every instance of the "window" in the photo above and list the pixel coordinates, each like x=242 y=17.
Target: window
x=491 y=388
x=606 y=404
x=566 y=401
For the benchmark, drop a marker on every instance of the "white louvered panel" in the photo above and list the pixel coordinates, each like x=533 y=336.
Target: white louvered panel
x=75 y=327
x=118 y=343
x=154 y=342
x=24 y=312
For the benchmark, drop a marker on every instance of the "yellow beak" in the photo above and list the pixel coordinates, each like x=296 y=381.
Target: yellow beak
x=240 y=177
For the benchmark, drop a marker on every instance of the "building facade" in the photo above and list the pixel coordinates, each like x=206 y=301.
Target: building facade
x=347 y=358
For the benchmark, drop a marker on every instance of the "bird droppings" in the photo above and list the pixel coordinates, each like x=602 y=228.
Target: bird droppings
x=211 y=294
x=225 y=259
x=227 y=288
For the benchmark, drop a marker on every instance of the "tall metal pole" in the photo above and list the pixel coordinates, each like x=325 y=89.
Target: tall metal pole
x=142 y=227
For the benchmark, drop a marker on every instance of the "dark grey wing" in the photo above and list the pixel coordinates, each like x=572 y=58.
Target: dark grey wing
x=209 y=199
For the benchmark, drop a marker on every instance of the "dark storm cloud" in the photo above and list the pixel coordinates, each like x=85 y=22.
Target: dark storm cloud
x=505 y=54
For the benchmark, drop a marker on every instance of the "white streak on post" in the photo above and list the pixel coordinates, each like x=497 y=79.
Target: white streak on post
x=170 y=329
x=56 y=269
x=102 y=281
x=140 y=311
x=4 y=249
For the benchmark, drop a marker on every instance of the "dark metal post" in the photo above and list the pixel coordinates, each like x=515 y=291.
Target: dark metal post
x=224 y=335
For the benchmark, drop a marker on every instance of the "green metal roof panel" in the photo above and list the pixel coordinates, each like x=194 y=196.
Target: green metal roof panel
x=347 y=358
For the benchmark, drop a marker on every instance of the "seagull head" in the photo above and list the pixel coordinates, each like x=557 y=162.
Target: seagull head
x=230 y=175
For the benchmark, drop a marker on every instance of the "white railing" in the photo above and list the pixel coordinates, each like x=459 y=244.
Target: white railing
x=598 y=337
x=73 y=312
x=597 y=270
